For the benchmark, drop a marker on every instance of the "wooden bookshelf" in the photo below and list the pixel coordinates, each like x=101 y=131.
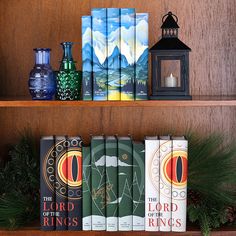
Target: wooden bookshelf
x=205 y=26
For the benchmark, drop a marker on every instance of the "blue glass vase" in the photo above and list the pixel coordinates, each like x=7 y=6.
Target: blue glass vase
x=42 y=82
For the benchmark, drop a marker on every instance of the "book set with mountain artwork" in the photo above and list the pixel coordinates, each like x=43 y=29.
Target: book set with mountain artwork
x=115 y=54
x=114 y=184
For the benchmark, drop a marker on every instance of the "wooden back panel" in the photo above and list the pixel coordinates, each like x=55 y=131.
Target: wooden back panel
x=206 y=26
x=114 y=120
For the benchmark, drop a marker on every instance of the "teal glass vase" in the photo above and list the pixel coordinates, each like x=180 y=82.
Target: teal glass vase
x=68 y=78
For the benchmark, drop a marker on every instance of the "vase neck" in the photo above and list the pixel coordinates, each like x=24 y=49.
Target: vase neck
x=67 y=47
x=67 y=62
x=42 y=56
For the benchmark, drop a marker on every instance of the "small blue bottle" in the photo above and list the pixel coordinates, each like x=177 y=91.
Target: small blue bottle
x=42 y=82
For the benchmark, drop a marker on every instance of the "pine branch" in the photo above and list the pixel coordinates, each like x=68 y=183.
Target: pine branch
x=19 y=184
x=212 y=168
x=211 y=181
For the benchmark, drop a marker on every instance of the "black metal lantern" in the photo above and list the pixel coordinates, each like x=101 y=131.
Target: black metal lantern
x=170 y=63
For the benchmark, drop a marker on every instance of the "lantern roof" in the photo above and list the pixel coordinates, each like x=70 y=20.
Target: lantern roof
x=170 y=22
x=170 y=44
x=169 y=40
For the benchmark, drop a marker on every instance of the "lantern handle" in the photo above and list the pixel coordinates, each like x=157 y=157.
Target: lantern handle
x=170 y=14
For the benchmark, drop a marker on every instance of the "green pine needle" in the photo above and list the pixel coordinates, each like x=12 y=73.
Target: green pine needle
x=212 y=168
x=19 y=184
x=212 y=175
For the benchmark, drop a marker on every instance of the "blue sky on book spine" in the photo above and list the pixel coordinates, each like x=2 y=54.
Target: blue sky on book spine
x=127 y=35
x=113 y=48
x=141 y=35
x=113 y=31
x=127 y=26
x=86 y=43
x=99 y=42
x=99 y=33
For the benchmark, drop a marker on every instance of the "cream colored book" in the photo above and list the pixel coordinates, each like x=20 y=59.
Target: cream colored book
x=152 y=161
x=165 y=183
x=179 y=183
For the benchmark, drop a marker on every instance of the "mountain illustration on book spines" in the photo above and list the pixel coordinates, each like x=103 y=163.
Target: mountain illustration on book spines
x=126 y=193
x=110 y=160
x=143 y=58
x=138 y=208
x=87 y=55
x=99 y=46
x=127 y=189
x=98 y=49
x=114 y=59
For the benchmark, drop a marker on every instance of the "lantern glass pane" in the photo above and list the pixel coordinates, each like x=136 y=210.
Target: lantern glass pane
x=170 y=73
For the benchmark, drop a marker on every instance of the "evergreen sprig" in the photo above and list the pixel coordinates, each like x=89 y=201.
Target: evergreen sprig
x=19 y=184
x=211 y=180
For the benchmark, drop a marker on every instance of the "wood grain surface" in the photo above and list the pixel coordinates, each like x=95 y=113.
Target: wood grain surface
x=206 y=26
x=207 y=101
x=190 y=232
x=137 y=121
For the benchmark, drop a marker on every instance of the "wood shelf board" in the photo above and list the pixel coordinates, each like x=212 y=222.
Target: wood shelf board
x=198 y=101
x=37 y=231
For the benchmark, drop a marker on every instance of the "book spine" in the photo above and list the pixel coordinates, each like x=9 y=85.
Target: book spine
x=141 y=56
x=61 y=184
x=87 y=58
x=47 y=178
x=165 y=185
x=152 y=182
x=138 y=186
x=111 y=185
x=74 y=179
x=113 y=53
x=125 y=207
x=99 y=41
x=179 y=185
x=127 y=61
x=98 y=184
x=87 y=196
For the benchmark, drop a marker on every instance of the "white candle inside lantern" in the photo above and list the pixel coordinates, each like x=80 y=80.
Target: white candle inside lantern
x=171 y=81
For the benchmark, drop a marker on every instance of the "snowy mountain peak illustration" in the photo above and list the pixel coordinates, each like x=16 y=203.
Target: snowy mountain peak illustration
x=114 y=59
x=110 y=160
x=127 y=43
x=86 y=36
x=143 y=58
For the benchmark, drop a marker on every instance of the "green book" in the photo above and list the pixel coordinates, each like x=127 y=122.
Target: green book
x=111 y=184
x=87 y=208
x=98 y=183
x=138 y=185
x=125 y=179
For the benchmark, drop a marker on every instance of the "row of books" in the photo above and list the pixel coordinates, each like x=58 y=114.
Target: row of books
x=115 y=54
x=115 y=184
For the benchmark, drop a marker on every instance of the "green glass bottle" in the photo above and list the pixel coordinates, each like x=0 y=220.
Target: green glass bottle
x=68 y=78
